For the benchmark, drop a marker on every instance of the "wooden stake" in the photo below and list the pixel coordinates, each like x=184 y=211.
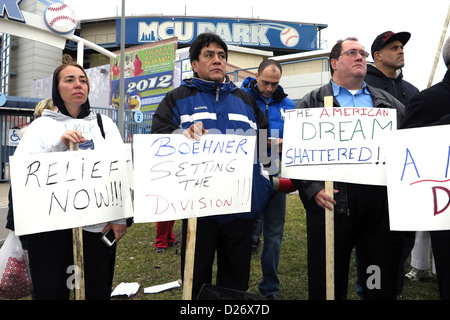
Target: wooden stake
x=438 y=53
x=329 y=230
x=329 y=243
x=78 y=257
x=189 y=258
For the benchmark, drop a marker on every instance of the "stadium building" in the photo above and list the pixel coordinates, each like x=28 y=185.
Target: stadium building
x=32 y=48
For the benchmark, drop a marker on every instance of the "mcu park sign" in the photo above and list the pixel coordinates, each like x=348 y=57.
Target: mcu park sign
x=246 y=32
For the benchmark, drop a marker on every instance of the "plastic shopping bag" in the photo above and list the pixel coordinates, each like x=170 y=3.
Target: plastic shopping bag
x=15 y=279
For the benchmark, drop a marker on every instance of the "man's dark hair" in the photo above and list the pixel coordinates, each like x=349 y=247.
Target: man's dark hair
x=269 y=62
x=204 y=40
x=337 y=50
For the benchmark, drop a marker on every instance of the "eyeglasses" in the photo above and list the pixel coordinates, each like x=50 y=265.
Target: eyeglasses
x=353 y=53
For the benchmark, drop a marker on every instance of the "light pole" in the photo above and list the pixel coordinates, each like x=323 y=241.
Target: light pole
x=122 y=63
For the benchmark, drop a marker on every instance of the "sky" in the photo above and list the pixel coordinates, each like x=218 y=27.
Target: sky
x=425 y=20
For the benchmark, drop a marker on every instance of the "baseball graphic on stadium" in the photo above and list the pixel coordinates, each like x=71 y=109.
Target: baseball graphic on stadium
x=60 y=18
x=289 y=37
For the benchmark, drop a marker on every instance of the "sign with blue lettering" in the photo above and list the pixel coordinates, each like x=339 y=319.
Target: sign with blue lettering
x=337 y=144
x=243 y=32
x=178 y=178
x=418 y=179
x=14 y=137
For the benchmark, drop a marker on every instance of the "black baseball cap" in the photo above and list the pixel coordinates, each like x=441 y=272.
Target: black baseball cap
x=388 y=37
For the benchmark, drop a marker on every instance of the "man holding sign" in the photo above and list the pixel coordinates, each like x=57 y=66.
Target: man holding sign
x=431 y=107
x=361 y=216
x=210 y=103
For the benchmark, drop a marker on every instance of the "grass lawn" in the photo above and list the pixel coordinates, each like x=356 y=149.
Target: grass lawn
x=137 y=262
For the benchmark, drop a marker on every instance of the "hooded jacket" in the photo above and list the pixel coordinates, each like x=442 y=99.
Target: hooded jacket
x=401 y=89
x=273 y=107
x=44 y=133
x=222 y=108
x=219 y=106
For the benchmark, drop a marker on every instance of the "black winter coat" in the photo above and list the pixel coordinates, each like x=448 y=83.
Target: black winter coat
x=430 y=107
x=401 y=89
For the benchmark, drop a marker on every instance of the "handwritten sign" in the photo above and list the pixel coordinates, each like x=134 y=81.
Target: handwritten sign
x=62 y=190
x=337 y=144
x=418 y=179
x=177 y=178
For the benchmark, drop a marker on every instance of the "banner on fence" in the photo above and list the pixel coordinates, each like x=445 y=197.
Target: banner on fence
x=148 y=75
x=337 y=144
x=62 y=190
x=178 y=178
x=418 y=179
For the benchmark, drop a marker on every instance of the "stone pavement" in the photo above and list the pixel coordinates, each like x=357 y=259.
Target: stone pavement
x=4 y=189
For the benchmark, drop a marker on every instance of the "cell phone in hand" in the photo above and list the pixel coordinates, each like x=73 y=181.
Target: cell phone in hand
x=109 y=238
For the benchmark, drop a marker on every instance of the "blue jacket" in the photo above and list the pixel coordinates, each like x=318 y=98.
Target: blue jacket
x=274 y=107
x=220 y=107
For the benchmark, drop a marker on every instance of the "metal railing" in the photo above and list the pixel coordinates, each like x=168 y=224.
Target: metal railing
x=12 y=121
x=130 y=125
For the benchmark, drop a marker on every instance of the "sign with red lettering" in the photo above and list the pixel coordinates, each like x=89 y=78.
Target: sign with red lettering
x=418 y=179
x=337 y=144
x=178 y=178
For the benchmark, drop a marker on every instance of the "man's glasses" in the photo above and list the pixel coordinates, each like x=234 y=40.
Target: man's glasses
x=353 y=53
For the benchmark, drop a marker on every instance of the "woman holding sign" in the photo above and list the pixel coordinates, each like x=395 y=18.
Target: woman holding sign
x=51 y=253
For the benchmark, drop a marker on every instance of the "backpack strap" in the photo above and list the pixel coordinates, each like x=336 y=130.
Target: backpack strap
x=100 y=124
x=130 y=221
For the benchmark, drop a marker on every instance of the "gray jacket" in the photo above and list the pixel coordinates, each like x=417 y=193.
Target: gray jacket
x=315 y=99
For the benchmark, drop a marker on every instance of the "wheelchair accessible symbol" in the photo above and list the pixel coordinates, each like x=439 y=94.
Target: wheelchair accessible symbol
x=138 y=117
x=14 y=138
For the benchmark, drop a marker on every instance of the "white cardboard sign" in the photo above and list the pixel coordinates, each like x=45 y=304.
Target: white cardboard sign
x=178 y=178
x=62 y=190
x=418 y=179
x=337 y=144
